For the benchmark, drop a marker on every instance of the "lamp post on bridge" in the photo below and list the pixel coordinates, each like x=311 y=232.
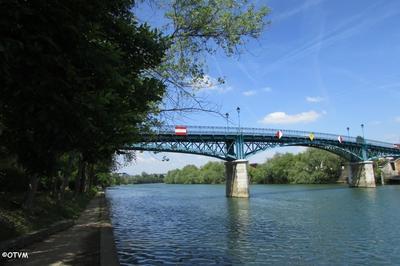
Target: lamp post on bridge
x=364 y=148
x=348 y=132
x=227 y=122
x=238 y=111
x=362 y=128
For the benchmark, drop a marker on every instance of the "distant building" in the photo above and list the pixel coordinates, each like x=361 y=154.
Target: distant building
x=391 y=170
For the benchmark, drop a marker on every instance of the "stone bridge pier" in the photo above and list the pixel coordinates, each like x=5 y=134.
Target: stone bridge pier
x=237 y=179
x=360 y=174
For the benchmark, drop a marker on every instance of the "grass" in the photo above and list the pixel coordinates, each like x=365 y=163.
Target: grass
x=15 y=221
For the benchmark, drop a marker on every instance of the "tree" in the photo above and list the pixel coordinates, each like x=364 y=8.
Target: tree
x=213 y=173
x=197 y=28
x=72 y=79
x=84 y=77
x=313 y=166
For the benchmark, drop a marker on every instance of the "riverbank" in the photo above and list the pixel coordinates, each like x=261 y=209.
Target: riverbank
x=16 y=221
x=89 y=242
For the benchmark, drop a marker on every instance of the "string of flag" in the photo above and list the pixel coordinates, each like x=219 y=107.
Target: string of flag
x=311 y=136
x=279 y=134
x=182 y=131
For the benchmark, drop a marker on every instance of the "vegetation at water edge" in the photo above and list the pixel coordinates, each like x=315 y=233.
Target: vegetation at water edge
x=310 y=167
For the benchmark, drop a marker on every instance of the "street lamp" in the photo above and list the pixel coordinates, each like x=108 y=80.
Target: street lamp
x=238 y=111
x=348 y=132
x=362 y=128
x=227 y=121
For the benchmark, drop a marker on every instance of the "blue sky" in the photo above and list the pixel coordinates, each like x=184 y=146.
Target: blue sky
x=321 y=65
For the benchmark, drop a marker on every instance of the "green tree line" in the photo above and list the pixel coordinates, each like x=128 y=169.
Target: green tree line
x=310 y=167
x=143 y=178
x=210 y=173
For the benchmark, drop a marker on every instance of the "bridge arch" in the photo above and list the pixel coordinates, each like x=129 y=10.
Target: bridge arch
x=341 y=152
x=201 y=153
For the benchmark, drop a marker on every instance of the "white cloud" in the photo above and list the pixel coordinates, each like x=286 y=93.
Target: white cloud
x=249 y=93
x=283 y=118
x=314 y=99
x=254 y=92
x=208 y=83
x=205 y=82
x=145 y=159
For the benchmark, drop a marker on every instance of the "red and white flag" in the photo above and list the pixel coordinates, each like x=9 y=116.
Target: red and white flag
x=180 y=131
x=279 y=134
x=340 y=139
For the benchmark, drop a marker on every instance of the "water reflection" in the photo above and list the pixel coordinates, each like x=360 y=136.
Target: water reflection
x=237 y=224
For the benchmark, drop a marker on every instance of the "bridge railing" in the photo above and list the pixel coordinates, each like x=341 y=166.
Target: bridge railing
x=209 y=130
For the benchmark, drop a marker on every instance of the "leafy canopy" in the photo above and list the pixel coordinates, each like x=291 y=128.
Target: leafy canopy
x=72 y=78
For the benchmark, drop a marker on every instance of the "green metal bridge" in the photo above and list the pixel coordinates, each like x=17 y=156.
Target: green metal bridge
x=233 y=143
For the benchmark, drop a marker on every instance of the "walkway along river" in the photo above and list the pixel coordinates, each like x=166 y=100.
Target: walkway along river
x=279 y=224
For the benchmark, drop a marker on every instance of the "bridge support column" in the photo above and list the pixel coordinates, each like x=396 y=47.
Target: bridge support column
x=237 y=179
x=362 y=174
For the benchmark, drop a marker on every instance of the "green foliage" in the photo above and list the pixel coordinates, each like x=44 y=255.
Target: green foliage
x=203 y=26
x=80 y=79
x=143 y=178
x=210 y=173
x=310 y=167
x=12 y=175
x=72 y=79
x=196 y=28
x=378 y=165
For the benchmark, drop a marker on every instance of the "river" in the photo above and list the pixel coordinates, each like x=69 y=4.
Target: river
x=159 y=224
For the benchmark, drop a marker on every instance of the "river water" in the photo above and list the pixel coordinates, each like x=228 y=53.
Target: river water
x=159 y=224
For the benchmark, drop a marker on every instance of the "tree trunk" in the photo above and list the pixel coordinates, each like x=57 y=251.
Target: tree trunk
x=65 y=179
x=78 y=176
x=90 y=176
x=82 y=187
x=54 y=185
x=33 y=184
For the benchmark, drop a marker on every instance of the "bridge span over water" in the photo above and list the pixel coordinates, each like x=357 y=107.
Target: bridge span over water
x=235 y=145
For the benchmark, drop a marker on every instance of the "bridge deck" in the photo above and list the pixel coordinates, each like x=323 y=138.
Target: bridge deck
x=267 y=132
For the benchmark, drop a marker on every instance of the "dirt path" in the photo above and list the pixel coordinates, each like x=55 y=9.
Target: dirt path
x=78 y=245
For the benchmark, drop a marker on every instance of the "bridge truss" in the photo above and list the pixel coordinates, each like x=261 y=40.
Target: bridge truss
x=232 y=143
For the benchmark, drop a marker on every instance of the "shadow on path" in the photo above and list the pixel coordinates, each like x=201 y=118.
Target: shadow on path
x=78 y=245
